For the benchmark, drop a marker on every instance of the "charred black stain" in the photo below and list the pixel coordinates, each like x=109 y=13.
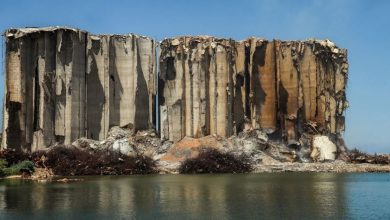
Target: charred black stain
x=247 y=81
x=239 y=111
x=259 y=94
x=95 y=95
x=66 y=49
x=206 y=69
x=170 y=69
x=95 y=47
x=36 y=98
x=14 y=133
x=161 y=97
x=283 y=98
x=116 y=88
x=141 y=98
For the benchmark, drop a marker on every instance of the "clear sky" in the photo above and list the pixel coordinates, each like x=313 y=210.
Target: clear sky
x=363 y=27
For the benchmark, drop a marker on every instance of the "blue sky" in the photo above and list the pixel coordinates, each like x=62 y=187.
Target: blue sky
x=363 y=27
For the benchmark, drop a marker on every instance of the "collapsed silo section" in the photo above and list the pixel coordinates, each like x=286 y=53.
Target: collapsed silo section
x=285 y=88
x=295 y=87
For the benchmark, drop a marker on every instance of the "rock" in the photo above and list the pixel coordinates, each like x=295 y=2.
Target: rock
x=323 y=149
x=42 y=174
x=122 y=146
x=163 y=148
x=85 y=143
x=117 y=132
x=66 y=180
x=329 y=43
x=175 y=42
x=262 y=135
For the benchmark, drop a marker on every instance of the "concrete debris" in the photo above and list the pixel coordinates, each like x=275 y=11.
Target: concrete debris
x=122 y=146
x=323 y=149
x=356 y=156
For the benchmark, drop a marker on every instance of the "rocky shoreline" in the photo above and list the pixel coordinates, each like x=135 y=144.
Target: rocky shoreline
x=43 y=175
x=337 y=166
x=125 y=152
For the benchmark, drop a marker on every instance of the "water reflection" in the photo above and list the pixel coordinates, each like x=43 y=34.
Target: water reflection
x=243 y=196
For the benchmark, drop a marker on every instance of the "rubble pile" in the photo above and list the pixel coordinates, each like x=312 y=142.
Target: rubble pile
x=125 y=151
x=357 y=156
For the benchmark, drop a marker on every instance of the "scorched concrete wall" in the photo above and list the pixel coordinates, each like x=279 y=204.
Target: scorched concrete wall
x=221 y=86
x=63 y=84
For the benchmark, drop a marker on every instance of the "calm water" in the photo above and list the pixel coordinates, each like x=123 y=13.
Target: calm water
x=240 y=196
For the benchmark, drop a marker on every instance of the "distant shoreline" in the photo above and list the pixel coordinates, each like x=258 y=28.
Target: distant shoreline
x=327 y=167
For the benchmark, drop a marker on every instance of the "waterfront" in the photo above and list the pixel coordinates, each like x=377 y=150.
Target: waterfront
x=228 y=196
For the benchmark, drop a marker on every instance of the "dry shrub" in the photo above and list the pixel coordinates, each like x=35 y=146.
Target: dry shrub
x=72 y=161
x=214 y=161
x=13 y=156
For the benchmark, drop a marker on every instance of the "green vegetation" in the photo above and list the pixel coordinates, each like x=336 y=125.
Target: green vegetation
x=14 y=162
x=15 y=169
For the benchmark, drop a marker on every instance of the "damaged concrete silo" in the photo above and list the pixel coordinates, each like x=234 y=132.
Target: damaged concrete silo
x=196 y=87
x=120 y=83
x=45 y=78
x=218 y=86
x=63 y=84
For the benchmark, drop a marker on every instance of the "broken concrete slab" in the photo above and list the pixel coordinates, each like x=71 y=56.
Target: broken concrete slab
x=323 y=149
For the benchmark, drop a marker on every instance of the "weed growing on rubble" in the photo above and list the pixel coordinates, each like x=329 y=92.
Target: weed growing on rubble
x=214 y=161
x=72 y=161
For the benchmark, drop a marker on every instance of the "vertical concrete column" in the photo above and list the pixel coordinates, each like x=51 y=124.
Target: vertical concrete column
x=308 y=71
x=70 y=85
x=263 y=84
x=97 y=86
x=13 y=117
x=197 y=73
x=44 y=97
x=288 y=89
